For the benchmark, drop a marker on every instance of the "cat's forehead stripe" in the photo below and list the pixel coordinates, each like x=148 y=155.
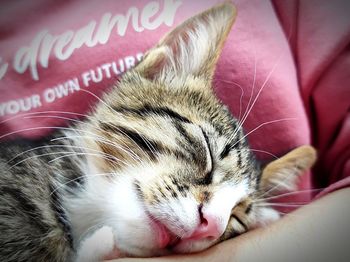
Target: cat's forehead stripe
x=147 y=145
x=150 y=110
x=210 y=161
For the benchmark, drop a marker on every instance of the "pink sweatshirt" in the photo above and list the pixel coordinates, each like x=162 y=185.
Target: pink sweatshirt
x=284 y=70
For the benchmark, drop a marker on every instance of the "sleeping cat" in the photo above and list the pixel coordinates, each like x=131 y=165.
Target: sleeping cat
x=160 y=166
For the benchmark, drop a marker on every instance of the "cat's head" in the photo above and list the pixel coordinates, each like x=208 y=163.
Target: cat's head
x=179 y=172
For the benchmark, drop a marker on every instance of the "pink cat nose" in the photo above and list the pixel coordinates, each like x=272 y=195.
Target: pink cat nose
x=208 y=228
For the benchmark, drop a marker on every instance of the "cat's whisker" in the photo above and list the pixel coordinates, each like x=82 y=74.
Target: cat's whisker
x=262 y=87
x=126 y=150
x=71 y=119
x=30 y=150
x=68 y=119
x=58 y=117
x=255 y=99
x=40 y=128
x=288 y=194
x=67 y=128
x=292 y=203
x=289 y=214
x=47 y=127
x=280 y=204
x=241 y=121
x=35 y=156
x=49 y=146
x=55 y=127
x=101 y=155
x=254 y=79
x=242 y=93
x=240 y=100
x=246 y=114
x=279 y=184
x=78 y=121
x=273 y=188
x=43 y=112
x=264 y=151
x=100 y=100
x=62 y=185
x=61 y=152
x=257 y=150
x=261 y=125
x=298 y=215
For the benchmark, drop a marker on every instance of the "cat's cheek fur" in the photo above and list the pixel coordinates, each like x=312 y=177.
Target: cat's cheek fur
x=132 y=231
x=113 y=202
x=180 y=215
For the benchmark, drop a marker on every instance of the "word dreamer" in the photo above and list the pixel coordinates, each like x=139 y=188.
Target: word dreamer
x=45 y=45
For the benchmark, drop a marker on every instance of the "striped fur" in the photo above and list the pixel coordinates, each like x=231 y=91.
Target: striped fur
x=160 y=147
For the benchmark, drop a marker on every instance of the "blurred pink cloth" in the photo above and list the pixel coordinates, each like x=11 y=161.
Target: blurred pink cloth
x=284 y=70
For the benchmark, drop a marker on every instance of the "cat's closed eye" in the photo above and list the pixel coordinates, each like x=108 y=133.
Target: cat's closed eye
x=224 y=153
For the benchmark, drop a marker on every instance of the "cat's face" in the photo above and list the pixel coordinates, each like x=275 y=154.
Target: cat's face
x=181 y=176
x=184 y=165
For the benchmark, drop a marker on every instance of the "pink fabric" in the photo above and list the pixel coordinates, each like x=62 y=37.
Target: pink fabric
x=322 y=54
x=286 y=63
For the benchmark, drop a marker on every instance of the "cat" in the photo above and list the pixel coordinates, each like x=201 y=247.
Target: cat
x=160 y=166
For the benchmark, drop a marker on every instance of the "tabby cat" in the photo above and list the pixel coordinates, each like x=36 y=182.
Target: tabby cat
x=160 y=166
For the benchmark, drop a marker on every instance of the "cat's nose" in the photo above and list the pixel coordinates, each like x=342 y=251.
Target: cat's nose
x=208 y=228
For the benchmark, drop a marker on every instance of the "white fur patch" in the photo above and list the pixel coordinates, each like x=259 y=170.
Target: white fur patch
x=224 y=199
x=266 y=215
x=96 y=246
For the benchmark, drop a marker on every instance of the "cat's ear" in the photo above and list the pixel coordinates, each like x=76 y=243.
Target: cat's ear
x=192 y=48
x=283 y=173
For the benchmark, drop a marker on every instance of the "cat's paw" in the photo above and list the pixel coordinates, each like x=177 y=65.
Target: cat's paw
x=98 y=246
x=267 y=216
